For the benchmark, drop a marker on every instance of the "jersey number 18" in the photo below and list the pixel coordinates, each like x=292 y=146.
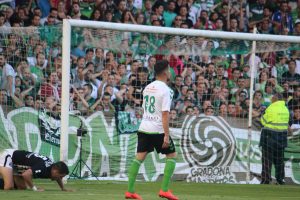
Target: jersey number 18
x=149 y=104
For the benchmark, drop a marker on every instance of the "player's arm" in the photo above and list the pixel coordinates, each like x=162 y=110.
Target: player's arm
x=27 y=176
x=165 y=122
x=60 y=183
x=166 y=104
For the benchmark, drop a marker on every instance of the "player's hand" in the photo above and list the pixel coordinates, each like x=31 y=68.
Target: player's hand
x=166 y=142
x=40 y=189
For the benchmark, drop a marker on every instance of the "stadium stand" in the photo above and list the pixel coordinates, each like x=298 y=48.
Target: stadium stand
x=101 y=78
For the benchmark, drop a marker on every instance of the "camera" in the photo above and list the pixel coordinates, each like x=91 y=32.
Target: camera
x=81 y=131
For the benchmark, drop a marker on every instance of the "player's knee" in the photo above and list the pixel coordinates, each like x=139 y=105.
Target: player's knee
x=141 y=159
x=141 y=156
x=172 y=155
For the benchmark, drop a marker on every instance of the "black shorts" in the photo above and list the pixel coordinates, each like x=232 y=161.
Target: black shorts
x=149 y=142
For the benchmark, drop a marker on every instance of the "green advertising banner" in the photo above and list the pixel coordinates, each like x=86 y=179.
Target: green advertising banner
x=209 y=148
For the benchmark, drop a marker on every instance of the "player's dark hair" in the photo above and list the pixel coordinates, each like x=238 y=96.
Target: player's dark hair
x=61 y=167
x=160 y=66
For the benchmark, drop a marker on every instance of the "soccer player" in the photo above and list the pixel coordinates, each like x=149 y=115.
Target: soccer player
x=37 y=166
x=153 y=132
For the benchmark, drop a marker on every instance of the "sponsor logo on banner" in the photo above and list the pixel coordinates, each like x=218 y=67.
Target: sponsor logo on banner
x=209 y=147
x=211 y=175
x=49 y=127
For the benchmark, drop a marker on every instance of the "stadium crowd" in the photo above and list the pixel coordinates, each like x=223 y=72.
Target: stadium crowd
x=112 y=80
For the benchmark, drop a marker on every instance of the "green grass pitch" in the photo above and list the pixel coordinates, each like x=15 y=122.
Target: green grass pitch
x=113 y=190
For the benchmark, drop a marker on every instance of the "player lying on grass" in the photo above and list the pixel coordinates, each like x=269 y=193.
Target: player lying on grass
x=29 y=165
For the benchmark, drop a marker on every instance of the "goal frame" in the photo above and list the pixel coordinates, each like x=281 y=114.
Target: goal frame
x=66 y=53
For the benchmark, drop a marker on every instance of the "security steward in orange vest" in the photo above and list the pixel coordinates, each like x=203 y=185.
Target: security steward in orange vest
x=273 y=139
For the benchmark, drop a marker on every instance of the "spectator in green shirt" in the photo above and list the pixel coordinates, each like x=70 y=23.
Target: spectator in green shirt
x=280 y=67
x=38 y=69
x=86 y=8
x=169 y=15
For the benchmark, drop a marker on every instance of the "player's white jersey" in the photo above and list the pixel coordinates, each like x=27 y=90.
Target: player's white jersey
x=157 y=97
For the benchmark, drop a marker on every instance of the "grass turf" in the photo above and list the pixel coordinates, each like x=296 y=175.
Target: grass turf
x=112 y=190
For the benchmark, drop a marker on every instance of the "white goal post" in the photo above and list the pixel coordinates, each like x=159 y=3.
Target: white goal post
x=68 y=24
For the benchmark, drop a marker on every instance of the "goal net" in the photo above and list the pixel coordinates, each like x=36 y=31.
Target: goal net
x=215 y=129
x=30 y=75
